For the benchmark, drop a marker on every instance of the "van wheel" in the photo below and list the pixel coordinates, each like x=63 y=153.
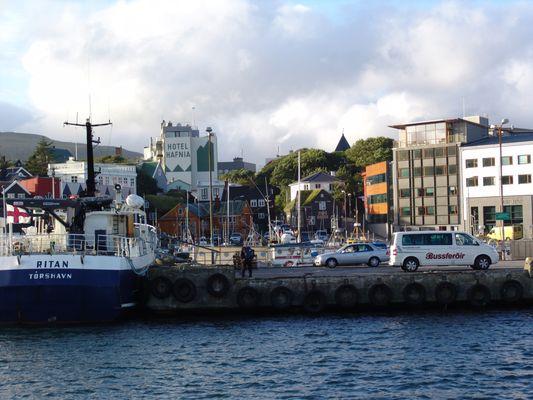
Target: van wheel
x=331 y=263
x=482 y=262
x=373 y=262
x=410 y=264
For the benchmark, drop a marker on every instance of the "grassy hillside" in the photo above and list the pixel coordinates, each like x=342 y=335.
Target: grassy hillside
x=19 y=146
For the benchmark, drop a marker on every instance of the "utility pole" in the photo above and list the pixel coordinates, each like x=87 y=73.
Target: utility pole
x=267 y=198
x=90 y=183
x=209 y=133
x=299 y=198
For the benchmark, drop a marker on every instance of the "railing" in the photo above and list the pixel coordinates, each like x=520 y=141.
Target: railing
x=107 y=245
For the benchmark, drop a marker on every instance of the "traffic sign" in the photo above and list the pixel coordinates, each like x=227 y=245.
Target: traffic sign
x=503 y=216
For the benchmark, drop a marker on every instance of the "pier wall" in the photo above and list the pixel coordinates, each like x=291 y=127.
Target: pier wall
x=175 y=289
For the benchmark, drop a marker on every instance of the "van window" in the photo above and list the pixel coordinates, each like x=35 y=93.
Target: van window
x=464 y=240
x=431 y=239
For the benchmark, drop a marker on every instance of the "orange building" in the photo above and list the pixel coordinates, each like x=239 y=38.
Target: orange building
x=376 y=189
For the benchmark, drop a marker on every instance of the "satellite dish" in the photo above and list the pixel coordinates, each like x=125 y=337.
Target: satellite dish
x=134 y=201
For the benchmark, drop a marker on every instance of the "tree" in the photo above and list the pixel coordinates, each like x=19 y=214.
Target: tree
x=38 y=162
x=241 y=176
x=146 y=184
x=370 y=151
x=112 y=159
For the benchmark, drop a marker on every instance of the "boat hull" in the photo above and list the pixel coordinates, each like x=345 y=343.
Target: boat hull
x=66 y=289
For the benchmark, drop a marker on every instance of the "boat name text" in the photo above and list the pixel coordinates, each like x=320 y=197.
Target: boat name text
x=52 y=264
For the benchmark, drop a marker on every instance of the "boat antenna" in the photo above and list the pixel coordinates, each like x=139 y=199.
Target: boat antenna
x=90 y=183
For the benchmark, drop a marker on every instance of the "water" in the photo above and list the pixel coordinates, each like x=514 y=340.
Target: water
x=460 y=355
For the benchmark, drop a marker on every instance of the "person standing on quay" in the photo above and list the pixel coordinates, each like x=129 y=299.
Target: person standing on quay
x=247 y=255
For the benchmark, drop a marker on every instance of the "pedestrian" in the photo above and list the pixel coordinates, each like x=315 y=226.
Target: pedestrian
x=247 y=256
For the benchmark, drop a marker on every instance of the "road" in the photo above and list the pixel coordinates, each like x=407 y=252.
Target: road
x=273 y=272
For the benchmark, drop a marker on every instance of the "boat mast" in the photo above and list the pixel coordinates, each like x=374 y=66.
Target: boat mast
x=90 y=183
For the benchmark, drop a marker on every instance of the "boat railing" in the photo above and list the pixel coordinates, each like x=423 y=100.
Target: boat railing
x=99 y=244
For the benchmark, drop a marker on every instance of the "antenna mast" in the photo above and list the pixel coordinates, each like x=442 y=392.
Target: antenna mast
x=91 y=183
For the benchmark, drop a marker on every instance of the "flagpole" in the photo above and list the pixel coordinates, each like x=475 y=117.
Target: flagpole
x=4 y=198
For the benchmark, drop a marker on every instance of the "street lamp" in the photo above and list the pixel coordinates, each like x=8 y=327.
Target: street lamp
x=499 y=128
x=345 y=230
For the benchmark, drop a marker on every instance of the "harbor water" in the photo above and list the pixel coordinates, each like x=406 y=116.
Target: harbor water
x=486 y=354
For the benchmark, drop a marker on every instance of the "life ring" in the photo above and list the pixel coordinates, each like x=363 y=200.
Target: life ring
x=281 y=298
x=288 y=264
x=160 y=287
x=445 y=293
x=380 y=295
x=414 y=294
x=184 y=290
x=248 y=298
x=346 y=296
x=511 y=291
x=314 y=301
x=218 y=285
x=479 y=295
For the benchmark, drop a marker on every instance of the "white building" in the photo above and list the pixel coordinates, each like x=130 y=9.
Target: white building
x=73 y=176
x=319 y=180
x=481 y=182
x=184 y=154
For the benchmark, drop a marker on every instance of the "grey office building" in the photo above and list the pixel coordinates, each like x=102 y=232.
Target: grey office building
x=426 y=169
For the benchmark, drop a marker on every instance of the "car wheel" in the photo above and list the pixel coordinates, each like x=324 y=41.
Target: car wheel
x=374 y=262
x=331 y=263
x=410 y=264
x=482 y=262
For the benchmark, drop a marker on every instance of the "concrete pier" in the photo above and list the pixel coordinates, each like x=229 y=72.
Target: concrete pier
x=174 y=289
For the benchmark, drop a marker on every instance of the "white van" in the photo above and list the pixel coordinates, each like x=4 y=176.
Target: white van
x=409 y=250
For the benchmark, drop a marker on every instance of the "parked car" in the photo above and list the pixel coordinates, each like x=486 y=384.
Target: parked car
x=304 y=237
x=353 y=254
x=235 y=239
x=217 y=240
x=409 y=250
x=202 y=241
x=322 y=235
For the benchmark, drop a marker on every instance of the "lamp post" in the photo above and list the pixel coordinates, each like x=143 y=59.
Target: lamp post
x=499 y=128
x=345 y=230
x=209 y=133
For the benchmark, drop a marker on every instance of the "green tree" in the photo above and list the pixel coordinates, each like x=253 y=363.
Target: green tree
x=5 y=163
x=38 y=162
x=241 y=176
x=146 y=184
x=369 y=151
x=112 y=159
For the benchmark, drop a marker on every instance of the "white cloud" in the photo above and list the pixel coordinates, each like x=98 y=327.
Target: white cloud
x=267 y=74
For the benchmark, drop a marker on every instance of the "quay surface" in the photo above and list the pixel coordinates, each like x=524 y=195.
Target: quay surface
x=175 y=289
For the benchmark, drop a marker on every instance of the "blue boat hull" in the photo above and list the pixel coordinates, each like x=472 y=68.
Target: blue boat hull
x=82 y=296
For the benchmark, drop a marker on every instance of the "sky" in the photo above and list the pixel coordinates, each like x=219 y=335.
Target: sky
x=263 y=74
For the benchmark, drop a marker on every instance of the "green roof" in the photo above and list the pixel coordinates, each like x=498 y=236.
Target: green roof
x=163 y=203
x=148 y=168
x=306 y=197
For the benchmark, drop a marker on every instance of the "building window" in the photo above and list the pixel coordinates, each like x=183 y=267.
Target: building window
x=106 y=179
x=312 y=220
x=452 y=151
x=489 y=162
x=507 y=180
x=21 y=195
x=452 y=169
x=515 y=213
x=489 y=217
x=429 y=210
x=429 y=171
x=488 y=181
x=317 y=185
x=524 y=178
x=417 y=154
x=375 y=179
x=132 y=182
x=403 y=172
x=507 y=160
x=452 y=210
x=428 y=153
x=11 y=195
x=261 y=202
x=405 y=211
x=377 y=198
x=253 y=203
x=322 y=205
x=524 y=159
x=439 y=152
x=471 y=163
x=74 y=179
x=440 y=170
x=417 y=171
x=452 y=191
x=204 y=193
x=429 y=192
x=261 y=215
x=405 y=192
x=471 y=181
x=215 y=192
x=403 y=155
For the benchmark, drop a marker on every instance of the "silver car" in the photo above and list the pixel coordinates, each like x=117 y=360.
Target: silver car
x=353 y=254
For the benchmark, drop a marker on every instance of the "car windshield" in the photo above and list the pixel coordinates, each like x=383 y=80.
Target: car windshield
x=345 y=248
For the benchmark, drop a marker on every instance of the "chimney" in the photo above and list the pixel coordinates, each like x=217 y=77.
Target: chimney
x=333 y=173
x=118 y=151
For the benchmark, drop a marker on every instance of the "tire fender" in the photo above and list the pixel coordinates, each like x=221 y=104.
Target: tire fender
x=184 y=290
x=479 y=295
x=314 y=301
x=380 y=295
x=445 y=293
x=248 y=298
x=346 y=296
x=281 y=298
x=511 y=291
x=160 y=287
x=218 y=285
x=414 y=294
